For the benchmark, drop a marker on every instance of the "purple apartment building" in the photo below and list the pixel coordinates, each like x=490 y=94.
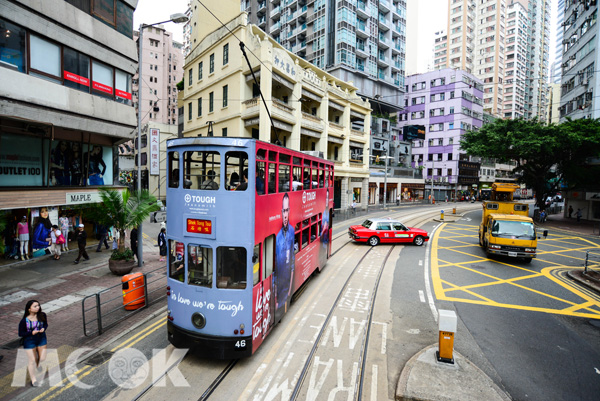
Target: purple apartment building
x=443 y=104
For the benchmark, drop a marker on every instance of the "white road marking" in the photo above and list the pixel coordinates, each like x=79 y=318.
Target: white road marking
x=374 y=383
x=421 y=296
x=427 y=284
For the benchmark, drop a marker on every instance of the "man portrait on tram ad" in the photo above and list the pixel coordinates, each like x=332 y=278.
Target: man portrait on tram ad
x=284 y=256
x=325 y=223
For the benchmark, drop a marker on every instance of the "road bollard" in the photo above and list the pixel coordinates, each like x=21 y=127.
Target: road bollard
x=442 y=218
x=447 y=328
x=453 y=210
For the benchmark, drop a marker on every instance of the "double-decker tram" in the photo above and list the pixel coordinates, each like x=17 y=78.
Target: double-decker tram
x=248 y=222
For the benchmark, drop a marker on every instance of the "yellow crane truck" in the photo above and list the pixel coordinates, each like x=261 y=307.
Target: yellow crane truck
x=506 y=228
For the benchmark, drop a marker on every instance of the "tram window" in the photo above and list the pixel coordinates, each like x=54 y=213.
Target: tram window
x=305 y=237
x=261 y=154
x=314 y=232
x=200 y=266
x=284 y=178
x=256 y=265
x=272 y=156
x=268 y=256
x=297 y=174
x=315 y=178
x=321 y=178
x=202 y=170
x=231 y=267
x=327 y=178
x=272 y=179
x=235 y=164
x=306 y=178
x=173 y=169
x=297 y=242
x=260 y=178
x=176 y=260
x=284 y=158
x=297 y=161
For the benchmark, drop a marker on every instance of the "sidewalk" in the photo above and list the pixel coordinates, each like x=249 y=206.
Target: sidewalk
x=60 y=286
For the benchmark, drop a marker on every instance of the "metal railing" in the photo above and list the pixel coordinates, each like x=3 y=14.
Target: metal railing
x=106 y=308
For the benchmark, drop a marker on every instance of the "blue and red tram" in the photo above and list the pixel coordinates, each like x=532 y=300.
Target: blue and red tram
x=248 y=222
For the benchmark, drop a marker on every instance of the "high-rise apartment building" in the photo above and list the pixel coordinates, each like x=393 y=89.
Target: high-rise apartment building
x=517 y=40
x=555 y=70
x=162 y=69
x=361 y=42
x=579 y=61
x=479 y=41
x=440 y=49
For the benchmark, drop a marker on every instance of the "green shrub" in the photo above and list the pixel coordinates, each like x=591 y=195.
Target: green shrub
x=127 y=254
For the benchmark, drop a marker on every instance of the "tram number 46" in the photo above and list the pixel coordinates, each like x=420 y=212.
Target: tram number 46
x=240 y=344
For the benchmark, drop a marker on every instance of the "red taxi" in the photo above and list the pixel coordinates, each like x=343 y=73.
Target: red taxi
x=374 y=231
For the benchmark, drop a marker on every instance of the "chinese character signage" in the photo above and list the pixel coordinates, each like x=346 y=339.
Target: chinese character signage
x=197 y=226
x=154 y=151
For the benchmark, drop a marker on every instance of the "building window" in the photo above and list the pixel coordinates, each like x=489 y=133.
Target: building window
x=451 y=126
x=102 y=76
x=224 y=132
x=200 y=70
x=12 y=46
x=76 y=70
x=225 y=90
x=122 y=87
x=190 y=76
x=226 y=54
x=200 y=107
x=45 y=59
x=189 y=111
x=211 y=98
x=211 y=67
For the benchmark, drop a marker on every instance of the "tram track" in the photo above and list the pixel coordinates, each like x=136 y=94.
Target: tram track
x=336 y=304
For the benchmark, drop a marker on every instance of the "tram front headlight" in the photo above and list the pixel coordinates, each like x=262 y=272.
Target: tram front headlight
x=198 y=320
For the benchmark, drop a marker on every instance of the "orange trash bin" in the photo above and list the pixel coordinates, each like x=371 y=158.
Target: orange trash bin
x=133 y=291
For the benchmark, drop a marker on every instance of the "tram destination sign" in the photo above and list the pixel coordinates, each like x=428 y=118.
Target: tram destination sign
x=198 y=226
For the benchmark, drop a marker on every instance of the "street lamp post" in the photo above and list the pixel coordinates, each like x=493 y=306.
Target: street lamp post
x=177 y=18
x=385 y=177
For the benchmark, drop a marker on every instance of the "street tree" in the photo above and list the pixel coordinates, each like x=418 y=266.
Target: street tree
x=547 y=155
x=123 y=210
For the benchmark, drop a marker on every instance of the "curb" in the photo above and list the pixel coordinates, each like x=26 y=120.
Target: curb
x=580 y=277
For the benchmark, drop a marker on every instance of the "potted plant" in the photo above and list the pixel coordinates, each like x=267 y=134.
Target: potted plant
x=123 y=210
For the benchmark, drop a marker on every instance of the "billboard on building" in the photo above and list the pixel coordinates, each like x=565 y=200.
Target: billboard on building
x=410 y=132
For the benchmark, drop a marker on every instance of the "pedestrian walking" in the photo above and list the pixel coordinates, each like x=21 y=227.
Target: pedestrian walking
x=81 y=243
x=32 y=330
x=570 y=210
x=162 y=244
x=578 y=214
x=542 y=216
x=23 y=235
x=134 y=242
x=103 y=233
x=116 y=236
x=56 y=241
x=398 y=200
x=63 y=222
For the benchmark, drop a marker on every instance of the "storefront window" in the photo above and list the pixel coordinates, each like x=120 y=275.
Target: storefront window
x=357 y=195
x=97 y=165
x=76 y=70
x=12 y=46
x=45 y=59
x=20 y=161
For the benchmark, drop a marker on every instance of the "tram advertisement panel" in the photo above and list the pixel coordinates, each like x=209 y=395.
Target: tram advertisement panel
x=300 y=221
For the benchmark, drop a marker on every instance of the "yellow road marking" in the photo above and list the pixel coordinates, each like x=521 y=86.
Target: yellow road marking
x=86 y=370
x=572 y=310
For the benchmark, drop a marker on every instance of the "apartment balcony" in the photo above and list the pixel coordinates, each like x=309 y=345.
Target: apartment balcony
x=355 y=134
x=384 y=43
x=361 y=9
x=336 y=129
x=262 y=22
x=383 y=61
x=282 y=111
x=396 y=48
x=361 y=31
x=360 y=68
x=276 y=12
x=250 y=108
x=262 y=8
x=384 y=23
x=384 y=6
x=381 y=75
x=312 y=122
x=361 y=52
x=396 y=65
x=275 y=28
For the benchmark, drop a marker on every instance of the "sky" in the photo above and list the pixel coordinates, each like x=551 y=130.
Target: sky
x=151 y=11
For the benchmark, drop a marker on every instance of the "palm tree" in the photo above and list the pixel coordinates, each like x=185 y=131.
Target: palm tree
x=123 y=210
